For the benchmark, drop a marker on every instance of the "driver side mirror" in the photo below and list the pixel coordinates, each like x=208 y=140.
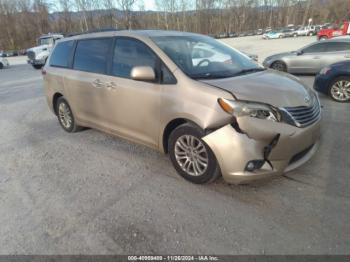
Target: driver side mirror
x=143 y=73
x=300 y=52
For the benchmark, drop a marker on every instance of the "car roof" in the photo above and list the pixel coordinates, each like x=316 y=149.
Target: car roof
x=340 y=39
x=131 y=33
x=51 y=35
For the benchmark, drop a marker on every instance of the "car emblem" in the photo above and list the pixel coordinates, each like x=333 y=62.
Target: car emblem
x=307 y=99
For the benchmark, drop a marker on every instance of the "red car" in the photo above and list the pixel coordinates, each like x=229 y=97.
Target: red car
x=328 y=33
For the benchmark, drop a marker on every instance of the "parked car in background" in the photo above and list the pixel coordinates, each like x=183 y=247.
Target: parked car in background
x=334 y=31
x=273 y=35
x=334 y=81
x=38 y=55
x=4 y=63
x=233 y=34
x=233 y=118
x=305 y=31
x=204 y=54
x=288 y=32
x=311 y=58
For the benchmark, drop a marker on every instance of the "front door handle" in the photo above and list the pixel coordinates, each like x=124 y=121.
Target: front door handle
x=97 y=83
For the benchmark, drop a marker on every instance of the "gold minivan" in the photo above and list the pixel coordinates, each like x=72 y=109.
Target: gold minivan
x=211 y=108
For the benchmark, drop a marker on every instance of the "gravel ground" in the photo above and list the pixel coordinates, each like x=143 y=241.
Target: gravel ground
x=90 y=193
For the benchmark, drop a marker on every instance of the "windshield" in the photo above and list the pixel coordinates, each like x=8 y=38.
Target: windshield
x=204 y=57
x=46 y=41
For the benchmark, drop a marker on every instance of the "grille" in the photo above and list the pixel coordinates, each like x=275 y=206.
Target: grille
x=31 y=55
x=303 y=116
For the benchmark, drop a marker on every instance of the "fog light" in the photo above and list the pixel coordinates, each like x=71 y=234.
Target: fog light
x=254 y=164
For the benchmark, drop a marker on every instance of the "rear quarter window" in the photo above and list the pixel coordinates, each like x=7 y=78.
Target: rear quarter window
x=61 y=54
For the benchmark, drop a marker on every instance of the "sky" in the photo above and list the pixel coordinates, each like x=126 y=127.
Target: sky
x=149 y=4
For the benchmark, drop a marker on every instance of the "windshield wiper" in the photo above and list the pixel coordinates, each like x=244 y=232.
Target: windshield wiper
x=249 y=70
x=227 y=75
x=209 y=76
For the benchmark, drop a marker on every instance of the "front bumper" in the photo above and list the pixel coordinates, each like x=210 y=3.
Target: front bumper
x=5 y=63
x=36 y=62
x=322 y=83
x=234 y=150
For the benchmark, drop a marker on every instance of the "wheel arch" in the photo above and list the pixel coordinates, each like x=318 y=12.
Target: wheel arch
x=55 y=97
x=170 y=127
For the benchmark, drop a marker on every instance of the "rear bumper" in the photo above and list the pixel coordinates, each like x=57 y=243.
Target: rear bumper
x=234 y=150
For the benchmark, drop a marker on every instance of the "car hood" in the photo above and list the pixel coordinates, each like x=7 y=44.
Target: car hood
x=38 y=49
x=269 y=86
x=279 y=55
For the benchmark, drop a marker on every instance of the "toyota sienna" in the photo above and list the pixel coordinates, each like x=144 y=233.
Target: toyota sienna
x=207 y=105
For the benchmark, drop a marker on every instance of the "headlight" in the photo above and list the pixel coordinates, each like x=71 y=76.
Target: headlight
x=252 y=109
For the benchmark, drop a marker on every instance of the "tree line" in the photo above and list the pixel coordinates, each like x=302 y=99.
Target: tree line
x=22 y=21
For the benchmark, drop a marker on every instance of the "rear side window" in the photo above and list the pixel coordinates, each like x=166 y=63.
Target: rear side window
x=91 y=55
x=337 y=46
x=61 y=54
x=129 y=53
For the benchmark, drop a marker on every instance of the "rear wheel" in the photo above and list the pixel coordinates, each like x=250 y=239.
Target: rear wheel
x=340 y=89
x=280 y=66
x=191 y=156
x=65 y=116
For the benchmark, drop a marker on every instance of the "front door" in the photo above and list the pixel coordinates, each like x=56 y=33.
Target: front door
x=132 y=107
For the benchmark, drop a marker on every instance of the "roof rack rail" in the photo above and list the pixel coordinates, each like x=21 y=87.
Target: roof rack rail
x=93 y=31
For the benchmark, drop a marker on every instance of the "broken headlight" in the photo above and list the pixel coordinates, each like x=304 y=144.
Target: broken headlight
x=252 y=109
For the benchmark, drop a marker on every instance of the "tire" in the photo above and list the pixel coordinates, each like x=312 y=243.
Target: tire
x=1 y=66
x=322 y=38
x=295 y=35
x=38 y=66
x=65 y=116
x=339 y=90
x=279 y=66
x=189 y=160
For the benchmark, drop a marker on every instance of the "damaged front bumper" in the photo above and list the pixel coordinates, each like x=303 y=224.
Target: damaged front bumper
x=276 y=147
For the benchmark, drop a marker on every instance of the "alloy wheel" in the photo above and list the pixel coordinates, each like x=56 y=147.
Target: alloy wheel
x=191 y=155
x=278 y=66
x=340 y=90
x=65 y=115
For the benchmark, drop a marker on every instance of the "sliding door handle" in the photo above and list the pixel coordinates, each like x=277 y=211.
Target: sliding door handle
x=97 y=83
x=111 y=85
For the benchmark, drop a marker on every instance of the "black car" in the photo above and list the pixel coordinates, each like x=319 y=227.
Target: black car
x=334 y=80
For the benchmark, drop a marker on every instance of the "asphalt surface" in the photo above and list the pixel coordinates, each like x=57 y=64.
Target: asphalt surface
x=90 y=193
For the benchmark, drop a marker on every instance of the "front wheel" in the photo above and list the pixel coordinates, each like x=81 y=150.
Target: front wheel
x=340 y=89
x=191 y=156
x=279 y=66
